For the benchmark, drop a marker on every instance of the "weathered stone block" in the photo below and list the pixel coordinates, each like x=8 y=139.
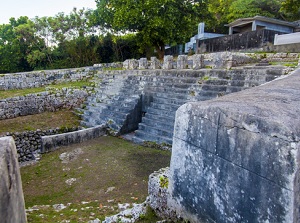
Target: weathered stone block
x=236 y=158
x=182 y=62
x=12 y=206
x=168 y=62
x=158 y=194
x=143 y=63
x=155 y=63
x=52 y=142
x=126 y=64
x=198 y=61
x=133 y=64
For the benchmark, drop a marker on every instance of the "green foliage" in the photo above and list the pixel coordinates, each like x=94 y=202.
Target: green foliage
x=129 y=29
x=219 y=10
x=22 y=92
x=150 y=216
x=163 y=182
x=62 y=41
x=15 y=44
x=291 y=8
x=162 y=146
x=243 y=9
x=155 y=22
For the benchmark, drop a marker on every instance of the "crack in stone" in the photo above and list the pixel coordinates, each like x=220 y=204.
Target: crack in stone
x=281 y=137
x=226 y=160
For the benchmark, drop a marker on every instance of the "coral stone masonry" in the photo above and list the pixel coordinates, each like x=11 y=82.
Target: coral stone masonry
x=236 y=158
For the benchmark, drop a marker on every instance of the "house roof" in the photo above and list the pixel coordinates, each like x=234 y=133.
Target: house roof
x=243 y=21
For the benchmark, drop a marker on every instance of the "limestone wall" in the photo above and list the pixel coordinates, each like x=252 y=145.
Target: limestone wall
x=41 y=102
x=29 y=143
x=12 y=206
x=236 y=158
x=41 y=78
x=51 y=143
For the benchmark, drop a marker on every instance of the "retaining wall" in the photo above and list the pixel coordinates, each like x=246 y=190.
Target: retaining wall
x=41 y=78
x=40 y=102
x=29 y=143
x=236 y=158
x=50 y=143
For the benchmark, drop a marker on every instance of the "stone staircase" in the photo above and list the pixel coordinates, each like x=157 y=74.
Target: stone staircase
x=114 y=103
x=146 y=101
x=172 y=90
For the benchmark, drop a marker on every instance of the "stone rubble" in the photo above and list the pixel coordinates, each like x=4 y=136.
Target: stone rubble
x=67 y=157
x=128 y=215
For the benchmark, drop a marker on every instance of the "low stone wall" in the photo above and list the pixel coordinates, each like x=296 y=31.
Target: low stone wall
x=108 y=66
x=45 y=77
x=50 y=143
x=12 y=205
x=29 y=143
x=236 y=158
x=40 y=102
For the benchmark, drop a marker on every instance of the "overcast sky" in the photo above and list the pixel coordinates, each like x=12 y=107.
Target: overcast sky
x=32 y=8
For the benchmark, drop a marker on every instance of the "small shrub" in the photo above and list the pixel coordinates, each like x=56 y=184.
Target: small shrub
x=163 y=182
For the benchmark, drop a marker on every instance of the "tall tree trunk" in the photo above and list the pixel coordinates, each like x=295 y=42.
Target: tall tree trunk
x=160 y=48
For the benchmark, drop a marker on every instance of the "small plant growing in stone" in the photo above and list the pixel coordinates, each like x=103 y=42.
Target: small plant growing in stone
x=204 y=78
x=163 y=182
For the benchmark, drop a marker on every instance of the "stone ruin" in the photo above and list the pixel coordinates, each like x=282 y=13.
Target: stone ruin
x=234 y=157
x=12 y=206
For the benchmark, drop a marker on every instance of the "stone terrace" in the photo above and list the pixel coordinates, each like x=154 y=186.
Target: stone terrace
x=145 y=101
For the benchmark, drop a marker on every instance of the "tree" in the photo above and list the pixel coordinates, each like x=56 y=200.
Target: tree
x=156 y=23
x=291 y=8
x=15 y=43
x=243 y=9
x=219 y=10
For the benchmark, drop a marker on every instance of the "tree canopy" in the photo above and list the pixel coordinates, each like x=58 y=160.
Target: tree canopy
x=291 y=8
x=122 y=29
x=62 y=41
x=156 y=23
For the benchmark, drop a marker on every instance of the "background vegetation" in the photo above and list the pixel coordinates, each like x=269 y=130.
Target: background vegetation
x=122 y=29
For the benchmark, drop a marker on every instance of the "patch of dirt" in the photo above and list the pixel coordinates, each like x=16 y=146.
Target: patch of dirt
x=107 y=171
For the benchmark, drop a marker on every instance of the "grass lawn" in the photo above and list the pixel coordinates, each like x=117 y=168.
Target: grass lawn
x=22 y=92
x=107 y=171
x=41 y=121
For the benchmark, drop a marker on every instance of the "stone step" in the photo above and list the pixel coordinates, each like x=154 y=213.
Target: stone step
x=161 y=112
x=172 y=80
x=210 y=94
x=155 y=131
x=164 y=106
x=167 y=89
x=158 y=123
x=162 y=118
x=141 y=136
x=207 y=87
x=169 y=100
x=170 y=95
x=169 y=85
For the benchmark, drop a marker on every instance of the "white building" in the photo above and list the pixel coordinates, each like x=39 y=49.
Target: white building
x=200 y=36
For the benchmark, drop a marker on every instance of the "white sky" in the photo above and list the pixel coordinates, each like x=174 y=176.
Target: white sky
x=32 y=8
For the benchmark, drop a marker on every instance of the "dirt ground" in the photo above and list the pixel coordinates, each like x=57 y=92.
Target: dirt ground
x=86 y=181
